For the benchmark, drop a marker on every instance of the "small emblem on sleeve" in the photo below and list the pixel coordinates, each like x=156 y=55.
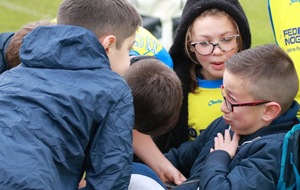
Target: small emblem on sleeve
x=192 y=132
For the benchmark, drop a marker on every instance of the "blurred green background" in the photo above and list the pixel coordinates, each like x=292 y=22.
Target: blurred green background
x=15 y=13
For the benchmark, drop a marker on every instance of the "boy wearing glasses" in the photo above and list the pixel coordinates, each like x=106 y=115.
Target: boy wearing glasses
x=242 y=149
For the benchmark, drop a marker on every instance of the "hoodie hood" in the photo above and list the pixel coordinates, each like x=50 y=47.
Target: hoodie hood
x=193 y=8
x=62 y=47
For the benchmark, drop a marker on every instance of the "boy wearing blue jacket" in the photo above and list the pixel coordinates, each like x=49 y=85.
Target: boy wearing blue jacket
x=242 y=149
x=65 y=109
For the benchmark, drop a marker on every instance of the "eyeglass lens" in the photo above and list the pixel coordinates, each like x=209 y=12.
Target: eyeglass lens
x=228 y=104
x=226 y=44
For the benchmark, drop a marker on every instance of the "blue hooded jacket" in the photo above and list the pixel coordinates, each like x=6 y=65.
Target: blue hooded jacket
x=63 y=112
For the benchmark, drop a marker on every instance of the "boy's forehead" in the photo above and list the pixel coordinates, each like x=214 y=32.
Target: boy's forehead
x=227 y=77
x=233 y=81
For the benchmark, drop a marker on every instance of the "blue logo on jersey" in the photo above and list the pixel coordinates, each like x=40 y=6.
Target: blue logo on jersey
x=213 y=102
x=151 y=45
x=294 y=1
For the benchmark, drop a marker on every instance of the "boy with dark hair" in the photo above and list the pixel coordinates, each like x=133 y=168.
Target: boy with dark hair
x=242 y=149
x=65 y=109
x=157 y=96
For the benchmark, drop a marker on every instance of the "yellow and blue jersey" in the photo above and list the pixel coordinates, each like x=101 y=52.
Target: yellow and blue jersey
x=147 y=44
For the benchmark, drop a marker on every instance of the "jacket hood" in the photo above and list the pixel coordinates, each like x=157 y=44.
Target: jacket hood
x=289 y=114
x=62 y=47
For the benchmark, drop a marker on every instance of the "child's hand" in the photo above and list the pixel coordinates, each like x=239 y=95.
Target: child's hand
x=171 y=174
x=226 y=143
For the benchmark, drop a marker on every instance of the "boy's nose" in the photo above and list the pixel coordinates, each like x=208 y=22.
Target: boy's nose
x=224 y=108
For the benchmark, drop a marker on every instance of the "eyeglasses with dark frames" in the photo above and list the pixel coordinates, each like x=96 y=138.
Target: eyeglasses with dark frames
x=230 y=106
x=226 y=44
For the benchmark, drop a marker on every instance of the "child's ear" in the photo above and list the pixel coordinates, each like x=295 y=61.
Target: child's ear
x=192 y=49
x=272 y=111
x=108 y=42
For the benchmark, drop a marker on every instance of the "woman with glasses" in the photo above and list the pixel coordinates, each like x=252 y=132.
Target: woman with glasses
x=209 y=33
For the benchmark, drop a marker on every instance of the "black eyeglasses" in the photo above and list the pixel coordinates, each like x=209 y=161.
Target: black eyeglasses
x=225 y=44
x=231 y=105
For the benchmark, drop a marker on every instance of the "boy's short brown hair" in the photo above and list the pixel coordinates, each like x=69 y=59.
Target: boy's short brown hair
x=12 y=51
x=103 y=17
x=157 y=96
x=269 y=74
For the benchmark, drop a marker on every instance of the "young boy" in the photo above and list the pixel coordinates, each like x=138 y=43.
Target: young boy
x=65 y=109
x=157 y=96
x=241 y=150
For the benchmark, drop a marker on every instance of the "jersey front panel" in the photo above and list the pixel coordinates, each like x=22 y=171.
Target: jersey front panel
x=204 y=106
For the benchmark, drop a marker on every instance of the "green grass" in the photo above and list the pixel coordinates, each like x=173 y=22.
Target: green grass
x=15 y=13
x=260 y=26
